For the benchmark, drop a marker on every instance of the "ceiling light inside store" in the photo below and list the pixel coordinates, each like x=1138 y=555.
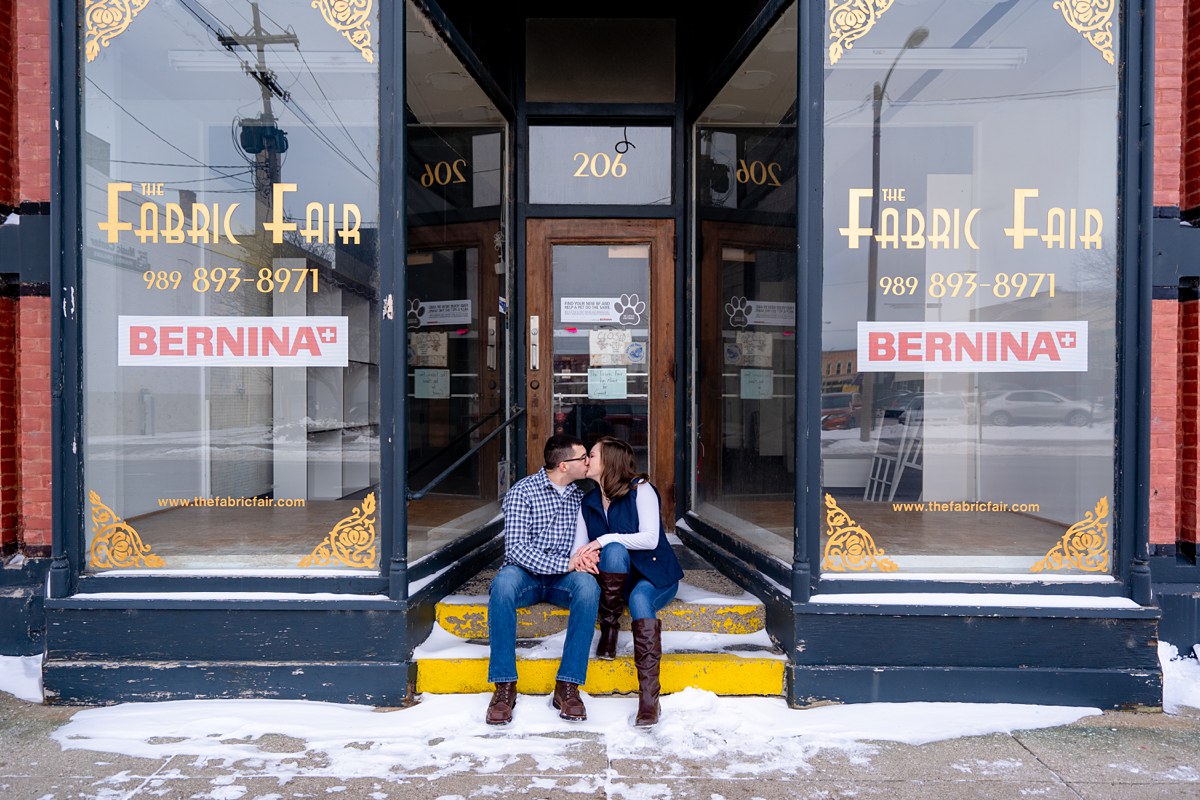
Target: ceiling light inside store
x=882 y=58
x=752 y=79
x=782 y=40
x=724 y=112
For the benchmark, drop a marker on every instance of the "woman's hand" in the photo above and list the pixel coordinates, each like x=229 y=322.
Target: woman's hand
x=586 y=559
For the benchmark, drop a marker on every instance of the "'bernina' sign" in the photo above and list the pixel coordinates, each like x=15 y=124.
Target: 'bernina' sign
x=232 y=341
x=972 y=346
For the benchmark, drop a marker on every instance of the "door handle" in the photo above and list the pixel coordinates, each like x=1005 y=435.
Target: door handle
x=534 y=347
x=491 y=344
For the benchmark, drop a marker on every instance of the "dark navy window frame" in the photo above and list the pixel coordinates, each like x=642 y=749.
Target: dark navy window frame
x=68 y=574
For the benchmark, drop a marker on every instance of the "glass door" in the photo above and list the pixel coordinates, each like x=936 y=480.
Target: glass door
x=600 y=338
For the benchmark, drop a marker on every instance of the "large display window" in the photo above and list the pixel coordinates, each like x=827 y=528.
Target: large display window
x=969 y=308
x=456 y=308
x=230 y=294
x=744 y=399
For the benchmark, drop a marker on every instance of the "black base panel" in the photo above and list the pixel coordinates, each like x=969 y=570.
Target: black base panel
x=100 y=683
x=1098 y=688
x=21 y=619
x=1181 y=618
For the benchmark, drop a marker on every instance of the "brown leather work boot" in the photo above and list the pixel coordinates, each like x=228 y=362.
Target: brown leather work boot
x=500 y=709
x=647 y=653
x=612 y=603
x=568 y=702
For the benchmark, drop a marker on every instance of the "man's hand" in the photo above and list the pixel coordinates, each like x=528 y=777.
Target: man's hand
x=586 y=559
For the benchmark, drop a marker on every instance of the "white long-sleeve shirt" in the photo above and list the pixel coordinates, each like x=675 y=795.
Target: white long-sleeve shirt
x=646 y=539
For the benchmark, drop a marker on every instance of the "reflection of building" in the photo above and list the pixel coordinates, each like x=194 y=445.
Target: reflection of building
x=512 y=148
x=837 y=371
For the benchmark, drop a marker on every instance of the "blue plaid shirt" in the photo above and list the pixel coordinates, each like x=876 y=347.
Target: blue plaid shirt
x=539 y=524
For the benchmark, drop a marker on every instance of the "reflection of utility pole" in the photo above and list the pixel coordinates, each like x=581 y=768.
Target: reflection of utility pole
x=915 y=39
x=261 y=137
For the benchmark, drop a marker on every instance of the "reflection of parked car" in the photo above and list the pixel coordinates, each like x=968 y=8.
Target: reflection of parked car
x=948 y=408
x=839 y=410
x=893 y=405
x=1040 y=406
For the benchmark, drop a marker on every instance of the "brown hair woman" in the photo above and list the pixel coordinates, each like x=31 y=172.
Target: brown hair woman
x=620 y=519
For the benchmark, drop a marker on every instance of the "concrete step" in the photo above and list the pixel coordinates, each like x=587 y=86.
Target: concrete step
x=722 y=663
x=707 y=602
x=714 y=638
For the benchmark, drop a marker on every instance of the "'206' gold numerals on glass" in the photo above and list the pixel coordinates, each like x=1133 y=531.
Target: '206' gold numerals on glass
x=444 y=173
x=222 y=279
x=600 y=165
x=758 y=173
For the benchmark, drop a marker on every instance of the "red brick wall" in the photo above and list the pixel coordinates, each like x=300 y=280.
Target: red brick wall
x=8 y=107
x=1191 y=117
x=32 y=73
x=33 y=414
x=9 y=474
x=1168 y=462
x=1189 y=422
x=1169 y=35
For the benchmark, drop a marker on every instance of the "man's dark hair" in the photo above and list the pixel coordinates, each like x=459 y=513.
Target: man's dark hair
x=559 y=448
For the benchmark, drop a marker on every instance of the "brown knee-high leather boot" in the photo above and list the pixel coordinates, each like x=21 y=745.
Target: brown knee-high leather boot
x=612 y=603
x=647 y=653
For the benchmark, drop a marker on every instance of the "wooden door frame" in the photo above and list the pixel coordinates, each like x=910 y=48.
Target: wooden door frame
x=542 y=235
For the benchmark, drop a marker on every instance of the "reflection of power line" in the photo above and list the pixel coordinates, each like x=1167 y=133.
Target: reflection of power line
x=265 y=77
x=169 y=164
x=150 y=130
x=1018 y=96
x=332 y=114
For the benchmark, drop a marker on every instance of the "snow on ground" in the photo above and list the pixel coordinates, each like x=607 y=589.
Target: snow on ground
x=21 y=676
x=446 y=734
x=1181 y=679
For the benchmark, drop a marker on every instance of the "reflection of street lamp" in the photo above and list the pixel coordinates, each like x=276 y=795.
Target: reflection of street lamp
x=915 y=39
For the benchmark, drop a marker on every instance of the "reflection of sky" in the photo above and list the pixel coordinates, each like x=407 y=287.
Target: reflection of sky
x=165 y=93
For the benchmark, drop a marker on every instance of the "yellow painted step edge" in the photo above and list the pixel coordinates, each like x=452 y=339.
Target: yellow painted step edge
x=470 y=621
x=720 y=673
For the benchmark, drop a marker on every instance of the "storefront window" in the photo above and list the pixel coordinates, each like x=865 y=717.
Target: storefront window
x=230 y=295
x=970 y=226
x=745 y=279
x=456 y=308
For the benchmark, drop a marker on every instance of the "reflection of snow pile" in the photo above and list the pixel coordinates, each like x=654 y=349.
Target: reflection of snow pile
x=1181 y=679
x=446 y=734
x=21 y=676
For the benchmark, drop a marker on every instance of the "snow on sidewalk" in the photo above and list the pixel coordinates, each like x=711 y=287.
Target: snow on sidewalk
x=444 y=735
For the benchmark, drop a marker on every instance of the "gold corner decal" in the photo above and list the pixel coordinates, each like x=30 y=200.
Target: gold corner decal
x=115 y=544
x=1093 y=19
x=1084 y=546
x=105 y=20
x=351 y=542
x=850 y=548
x=352 y=19
x=849 y=21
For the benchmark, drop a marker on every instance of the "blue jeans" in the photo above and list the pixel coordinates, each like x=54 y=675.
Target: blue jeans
x=513 y=588
x=645 y=599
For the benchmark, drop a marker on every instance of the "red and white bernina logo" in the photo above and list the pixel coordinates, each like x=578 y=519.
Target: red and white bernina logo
x=232 y=341
x=972 y=346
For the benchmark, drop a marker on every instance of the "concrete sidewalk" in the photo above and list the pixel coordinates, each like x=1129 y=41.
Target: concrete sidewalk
x=1114 y=756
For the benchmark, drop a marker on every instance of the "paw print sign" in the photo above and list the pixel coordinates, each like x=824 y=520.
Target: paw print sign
x=416 y=312
x=739 y=311
x=629 y=309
